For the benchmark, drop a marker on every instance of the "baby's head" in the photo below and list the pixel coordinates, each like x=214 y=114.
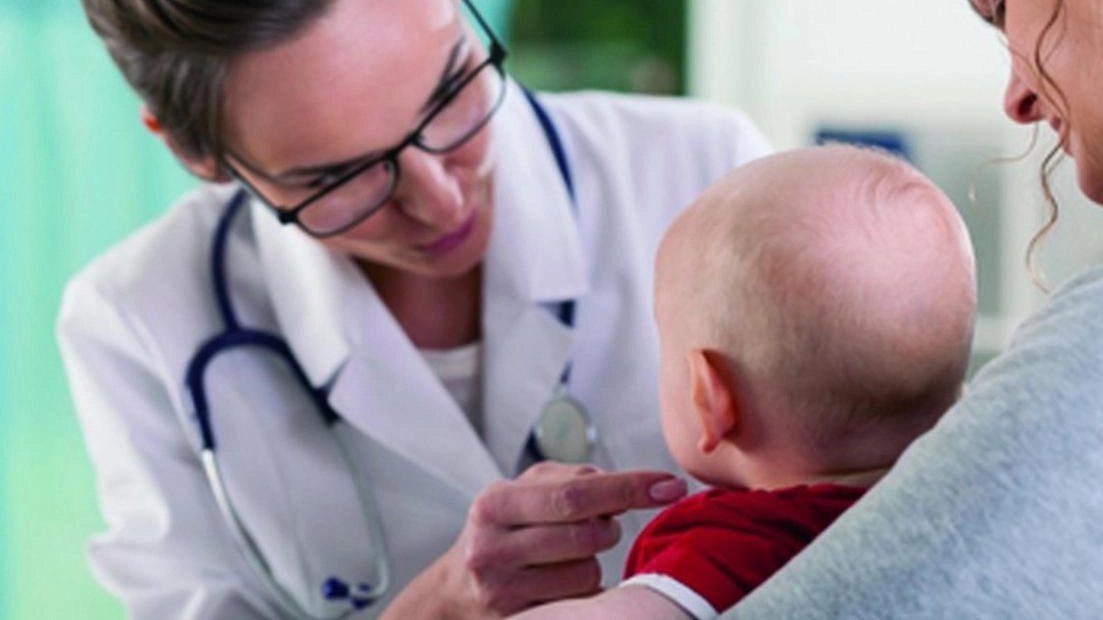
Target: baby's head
x=815 y=309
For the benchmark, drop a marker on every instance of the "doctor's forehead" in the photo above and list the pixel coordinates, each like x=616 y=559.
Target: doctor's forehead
x=360 y=77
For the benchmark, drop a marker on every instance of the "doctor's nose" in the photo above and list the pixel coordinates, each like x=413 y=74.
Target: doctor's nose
x=1020 y=103
x=427 y=191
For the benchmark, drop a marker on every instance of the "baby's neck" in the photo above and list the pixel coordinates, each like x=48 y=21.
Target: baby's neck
x=781 y=467
x=864 y=478
x=772 y=475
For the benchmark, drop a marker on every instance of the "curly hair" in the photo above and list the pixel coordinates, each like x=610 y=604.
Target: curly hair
x=1052 y=93
x=1048 y=90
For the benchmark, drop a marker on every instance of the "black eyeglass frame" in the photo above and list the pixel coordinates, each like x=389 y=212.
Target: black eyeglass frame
x=290 y=215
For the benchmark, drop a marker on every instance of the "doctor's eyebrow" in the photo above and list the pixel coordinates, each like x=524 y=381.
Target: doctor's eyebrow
x=444 y=83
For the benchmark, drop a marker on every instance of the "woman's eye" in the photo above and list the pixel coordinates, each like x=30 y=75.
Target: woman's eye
x=991 y=11
x=994 y=12
x=998 y=9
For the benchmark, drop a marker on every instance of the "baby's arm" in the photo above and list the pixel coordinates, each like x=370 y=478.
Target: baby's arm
x=629 y=601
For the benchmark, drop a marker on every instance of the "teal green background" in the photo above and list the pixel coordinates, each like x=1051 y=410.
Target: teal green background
x=77 y=173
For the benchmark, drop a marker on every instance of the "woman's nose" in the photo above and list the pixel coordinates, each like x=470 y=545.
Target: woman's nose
x=427 y=191
x=1020 y=102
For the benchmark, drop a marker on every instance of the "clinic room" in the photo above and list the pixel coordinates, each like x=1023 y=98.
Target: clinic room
x=659 y=309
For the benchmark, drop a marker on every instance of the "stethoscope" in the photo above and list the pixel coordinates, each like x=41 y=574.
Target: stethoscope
x=563 y=432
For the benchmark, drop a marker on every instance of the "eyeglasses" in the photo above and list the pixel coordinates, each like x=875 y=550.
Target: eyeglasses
x=361 y=190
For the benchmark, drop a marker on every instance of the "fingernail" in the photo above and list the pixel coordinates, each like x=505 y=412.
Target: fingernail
x=668 y=490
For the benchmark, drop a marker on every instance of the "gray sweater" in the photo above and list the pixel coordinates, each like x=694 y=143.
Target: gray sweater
x=995 y=513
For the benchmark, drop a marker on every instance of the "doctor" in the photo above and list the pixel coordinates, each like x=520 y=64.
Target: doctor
x=313 y=387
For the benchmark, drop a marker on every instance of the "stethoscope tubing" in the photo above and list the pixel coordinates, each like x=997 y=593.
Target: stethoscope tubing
x=235 y=336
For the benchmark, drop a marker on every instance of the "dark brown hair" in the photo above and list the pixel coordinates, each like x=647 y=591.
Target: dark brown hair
x=176 y=53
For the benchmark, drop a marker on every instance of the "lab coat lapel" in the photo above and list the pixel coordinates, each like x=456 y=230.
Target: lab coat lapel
x=345 y=337
x=534 y=262
x=389 y=392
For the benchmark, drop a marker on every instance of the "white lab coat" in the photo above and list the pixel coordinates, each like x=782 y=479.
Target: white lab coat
x=132 y=320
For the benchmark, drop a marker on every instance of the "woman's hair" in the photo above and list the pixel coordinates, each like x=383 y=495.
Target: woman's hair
x=176 y=54
x=1052 y=93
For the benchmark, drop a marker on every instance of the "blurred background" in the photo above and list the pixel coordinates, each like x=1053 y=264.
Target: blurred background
x=78 y=173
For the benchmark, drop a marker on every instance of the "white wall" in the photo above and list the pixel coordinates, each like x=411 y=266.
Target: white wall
x=929 y=68
x=790 y=63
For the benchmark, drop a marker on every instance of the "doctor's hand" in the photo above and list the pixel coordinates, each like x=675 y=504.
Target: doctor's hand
x=533 y=540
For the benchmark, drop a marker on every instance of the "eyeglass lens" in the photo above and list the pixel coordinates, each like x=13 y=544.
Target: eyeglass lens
x=455 y=123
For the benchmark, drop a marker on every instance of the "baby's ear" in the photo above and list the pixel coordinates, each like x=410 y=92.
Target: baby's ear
x=711 y=399
x=206 y=169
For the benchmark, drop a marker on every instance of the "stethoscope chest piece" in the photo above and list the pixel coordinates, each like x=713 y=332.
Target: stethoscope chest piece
x=564 y=432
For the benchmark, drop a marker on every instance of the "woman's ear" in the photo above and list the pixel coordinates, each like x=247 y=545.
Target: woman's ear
x=206 y=168
x=711 y=398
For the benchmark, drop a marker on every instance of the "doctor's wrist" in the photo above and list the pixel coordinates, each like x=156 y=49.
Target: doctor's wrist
x=429 y=596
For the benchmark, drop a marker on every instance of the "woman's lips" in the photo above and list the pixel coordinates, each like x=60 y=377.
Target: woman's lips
x=452 y=240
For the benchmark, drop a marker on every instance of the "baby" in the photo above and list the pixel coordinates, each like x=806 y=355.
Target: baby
x=815 y=310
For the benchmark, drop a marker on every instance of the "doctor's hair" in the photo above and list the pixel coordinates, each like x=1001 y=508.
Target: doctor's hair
x=176 y=53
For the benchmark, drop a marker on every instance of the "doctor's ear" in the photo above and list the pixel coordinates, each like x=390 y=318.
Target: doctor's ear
x=711 y=398
x=206 y=168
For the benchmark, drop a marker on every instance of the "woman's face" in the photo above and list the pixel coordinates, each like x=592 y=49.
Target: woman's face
x=355 y=84
x=1070 y=51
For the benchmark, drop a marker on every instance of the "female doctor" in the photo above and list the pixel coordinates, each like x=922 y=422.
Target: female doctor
x=310 y=388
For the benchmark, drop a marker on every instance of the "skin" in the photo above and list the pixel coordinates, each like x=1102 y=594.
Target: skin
x=724 y=427
x=525 y=540
x=532 y=540
x=731 y=415
x=631 y=601
x=1069 y=54
x=357 y=51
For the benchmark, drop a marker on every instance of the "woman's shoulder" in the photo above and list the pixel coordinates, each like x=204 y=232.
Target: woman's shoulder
x=1062 y=343
x=168 y=248
x=643 y=158
x=157 y=276
x=644 y=109
x=1048 y=382
x=673 y=123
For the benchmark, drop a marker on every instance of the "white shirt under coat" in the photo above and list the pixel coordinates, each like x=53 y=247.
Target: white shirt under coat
x=132 y=320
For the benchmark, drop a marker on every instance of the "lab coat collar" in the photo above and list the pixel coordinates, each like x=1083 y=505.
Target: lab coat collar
x=343 y=335
x=308 y=285
x=535 y=261
x=346 y=339
x=536 y=249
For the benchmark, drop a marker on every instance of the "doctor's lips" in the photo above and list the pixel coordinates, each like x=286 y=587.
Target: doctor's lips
x=451 y=241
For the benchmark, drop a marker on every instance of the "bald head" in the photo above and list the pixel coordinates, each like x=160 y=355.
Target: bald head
x=838 y=281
